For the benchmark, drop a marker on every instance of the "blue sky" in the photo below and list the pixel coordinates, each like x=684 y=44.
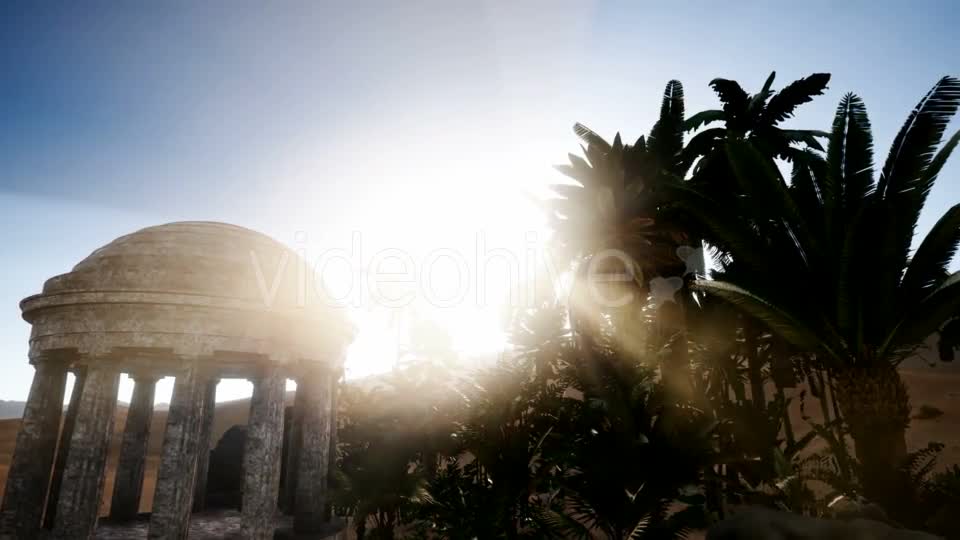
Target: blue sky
x=417 y=125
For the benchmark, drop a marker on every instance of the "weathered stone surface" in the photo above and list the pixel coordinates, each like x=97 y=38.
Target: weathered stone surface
x=332 y=452
x=83 y=477
x=173 y=495
x=219 y=525
x=294 y=442
x=310 y=501
x=203 y=454
x=29 y=471
x=192 y=287
x=261 y=460
x=228 y=299
x=63 y=447
x=128 y=484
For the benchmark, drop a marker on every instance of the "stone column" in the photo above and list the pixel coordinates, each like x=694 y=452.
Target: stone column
x=309 y=515
x=63 y=447
x=128 y=485
x=332 y=452
x=203 y=453
x=29 y=472
x=294 y=442
x=83 y=476
x=261 y=456
x=175 y=479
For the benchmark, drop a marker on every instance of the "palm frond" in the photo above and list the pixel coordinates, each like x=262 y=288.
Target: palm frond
x=850 y=155
x=588 y=136
x=702 y=118
x=729 y=233
x=914 y=146
x=734 y=98
x=702 y=144
x=759 y=100
x=666 y=137
x=805 y=136
x=782 y=105
x=777 y=319
x=925 y=318
x=759 y=177
x=932 y=259
x=638 y=531
x=804 y=187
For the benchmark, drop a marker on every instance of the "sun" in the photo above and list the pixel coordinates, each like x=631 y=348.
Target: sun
x=461 y=263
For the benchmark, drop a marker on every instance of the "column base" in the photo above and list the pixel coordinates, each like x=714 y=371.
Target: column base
x=335 y=529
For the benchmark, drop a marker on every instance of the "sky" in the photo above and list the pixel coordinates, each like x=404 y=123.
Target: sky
x=411 y=125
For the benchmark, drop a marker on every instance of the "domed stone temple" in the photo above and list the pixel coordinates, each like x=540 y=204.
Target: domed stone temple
x=197 y=301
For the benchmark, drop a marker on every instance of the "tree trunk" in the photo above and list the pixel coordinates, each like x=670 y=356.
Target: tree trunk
x=754 y=365
x=672 y=329
x=876 y=407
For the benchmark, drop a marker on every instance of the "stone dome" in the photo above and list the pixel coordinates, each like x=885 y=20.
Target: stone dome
x=196 y=289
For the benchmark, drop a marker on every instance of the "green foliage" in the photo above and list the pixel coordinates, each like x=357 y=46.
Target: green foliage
x=754 y=118
x=578 y=431
x=837 y=236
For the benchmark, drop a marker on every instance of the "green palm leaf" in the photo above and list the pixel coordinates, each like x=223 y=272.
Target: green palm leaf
x=757 y=101
x=918 y=139
x=734 y=98
x=785 y=102
x=702 y=144
x=850 y=155
x=926 y=318
x=729 y=233
x=803 y=187
x=929 y=264
x=805 y=136
x=779 y=320
x=588 y=136
x=759 y=177
x=666 y=137
x=702 y=118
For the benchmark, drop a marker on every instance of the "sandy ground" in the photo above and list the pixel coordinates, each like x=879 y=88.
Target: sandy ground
x=937 y=387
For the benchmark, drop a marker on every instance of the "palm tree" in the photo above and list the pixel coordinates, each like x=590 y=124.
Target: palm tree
x=376 y=482
x=949 y=340
x=633 y=448
x=756 y=118
x=826 y=262
x=614 y=206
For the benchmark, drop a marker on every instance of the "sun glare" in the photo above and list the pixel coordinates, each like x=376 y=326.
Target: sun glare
x=461 y=265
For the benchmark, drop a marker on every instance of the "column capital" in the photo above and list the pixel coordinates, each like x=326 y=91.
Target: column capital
x=264 y=371
x=145 y=377
x=53 y=359
x=314 y=369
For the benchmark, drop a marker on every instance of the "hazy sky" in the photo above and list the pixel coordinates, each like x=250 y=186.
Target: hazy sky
x=416 y=124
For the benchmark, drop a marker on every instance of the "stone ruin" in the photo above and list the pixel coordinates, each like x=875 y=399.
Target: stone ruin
x=197 y=301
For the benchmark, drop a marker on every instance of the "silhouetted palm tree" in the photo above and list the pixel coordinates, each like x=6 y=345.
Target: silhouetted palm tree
x=826 y=262
x=756 y=118
x=615 y=205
